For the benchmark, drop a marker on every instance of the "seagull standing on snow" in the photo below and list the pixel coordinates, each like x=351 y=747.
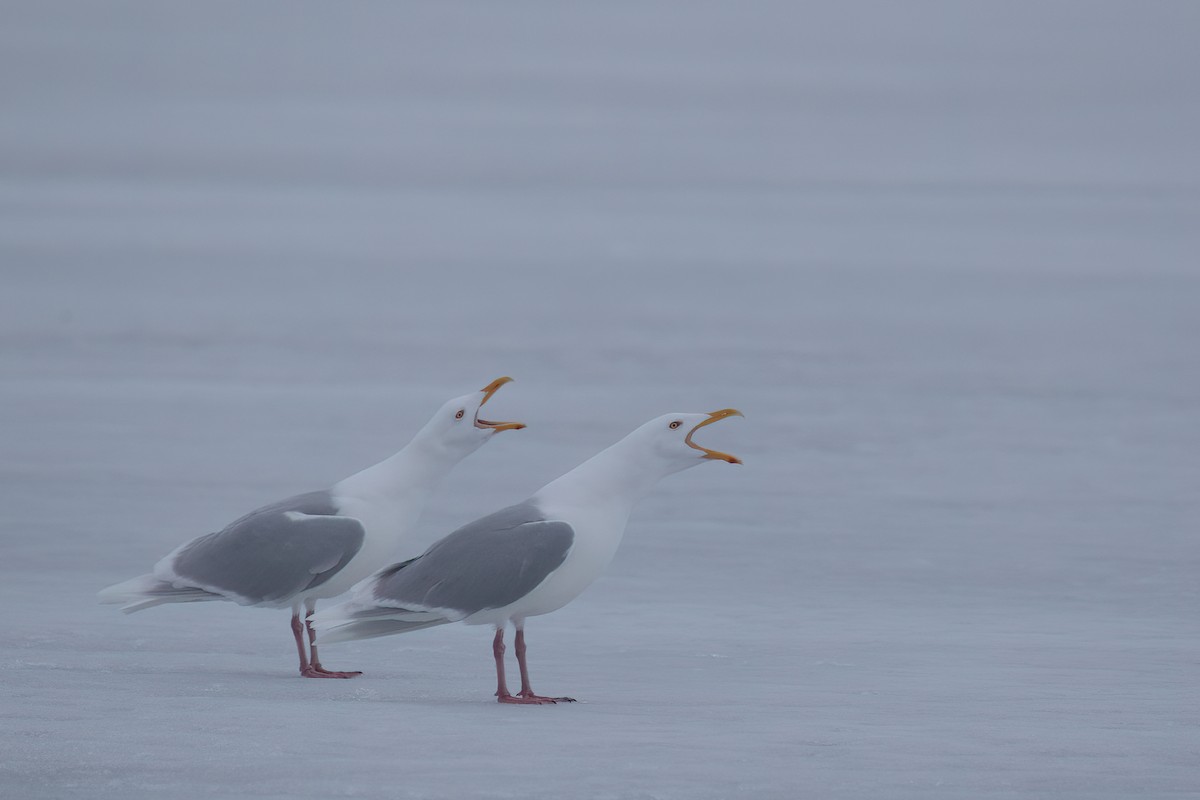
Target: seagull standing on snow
x=527 y=559
x=317 y=545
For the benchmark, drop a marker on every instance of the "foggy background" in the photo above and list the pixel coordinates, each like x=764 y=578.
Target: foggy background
x=942 y=254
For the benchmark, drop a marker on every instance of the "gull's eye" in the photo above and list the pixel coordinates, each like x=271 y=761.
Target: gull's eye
x=675 y=424
x=460 y=413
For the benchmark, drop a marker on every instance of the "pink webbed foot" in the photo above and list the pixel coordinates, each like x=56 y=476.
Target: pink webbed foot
x=539 y=698
x=531 y=699
x=317 y=671
x=525 y=701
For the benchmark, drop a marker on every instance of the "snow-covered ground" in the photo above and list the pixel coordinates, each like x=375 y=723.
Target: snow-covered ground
x=942 y=255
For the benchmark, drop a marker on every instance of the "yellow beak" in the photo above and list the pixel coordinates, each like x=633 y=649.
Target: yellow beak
x=713 y=417
x=488 y=391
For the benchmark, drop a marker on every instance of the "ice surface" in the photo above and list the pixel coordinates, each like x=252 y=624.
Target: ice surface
x=942 y=255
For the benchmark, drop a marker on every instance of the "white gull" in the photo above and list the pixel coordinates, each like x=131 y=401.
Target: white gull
x=528 y=559
x=317 y=545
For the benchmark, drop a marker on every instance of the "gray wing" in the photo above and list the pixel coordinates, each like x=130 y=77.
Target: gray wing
x=489 y=563
x=271 y=554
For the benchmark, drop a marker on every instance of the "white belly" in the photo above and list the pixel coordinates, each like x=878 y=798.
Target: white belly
x=596 y=542
x=387 y=525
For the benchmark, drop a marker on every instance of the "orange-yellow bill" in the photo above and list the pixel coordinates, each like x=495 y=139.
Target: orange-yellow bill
x=713 y=417
x=488 y=391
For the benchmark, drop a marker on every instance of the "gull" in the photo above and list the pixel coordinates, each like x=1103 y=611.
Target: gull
x=528 y=559
x=314 y=546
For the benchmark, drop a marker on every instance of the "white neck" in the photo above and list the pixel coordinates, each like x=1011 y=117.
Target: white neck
x=612 y=481
x=410 y=475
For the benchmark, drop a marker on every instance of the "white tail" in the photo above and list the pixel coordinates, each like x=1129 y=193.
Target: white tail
x=371 y=628
x=146 y=591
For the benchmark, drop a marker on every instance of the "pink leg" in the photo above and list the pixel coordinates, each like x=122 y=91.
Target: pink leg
x=498 y=654
x=502 y=695
x=527 y=690
x=298 y=632
x=314 y=668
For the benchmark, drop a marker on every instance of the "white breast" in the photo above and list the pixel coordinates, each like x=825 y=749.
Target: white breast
x=597 y=537
x=387 y=522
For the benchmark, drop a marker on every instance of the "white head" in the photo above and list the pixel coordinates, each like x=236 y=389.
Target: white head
x=619 y=475
x=668 y=440
x=457 y=427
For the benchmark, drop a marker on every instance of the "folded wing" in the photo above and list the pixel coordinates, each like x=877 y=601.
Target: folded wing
x=488 y=564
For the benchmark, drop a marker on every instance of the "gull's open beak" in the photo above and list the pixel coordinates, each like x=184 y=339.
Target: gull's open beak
x=488 y=391
x=713 y=417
